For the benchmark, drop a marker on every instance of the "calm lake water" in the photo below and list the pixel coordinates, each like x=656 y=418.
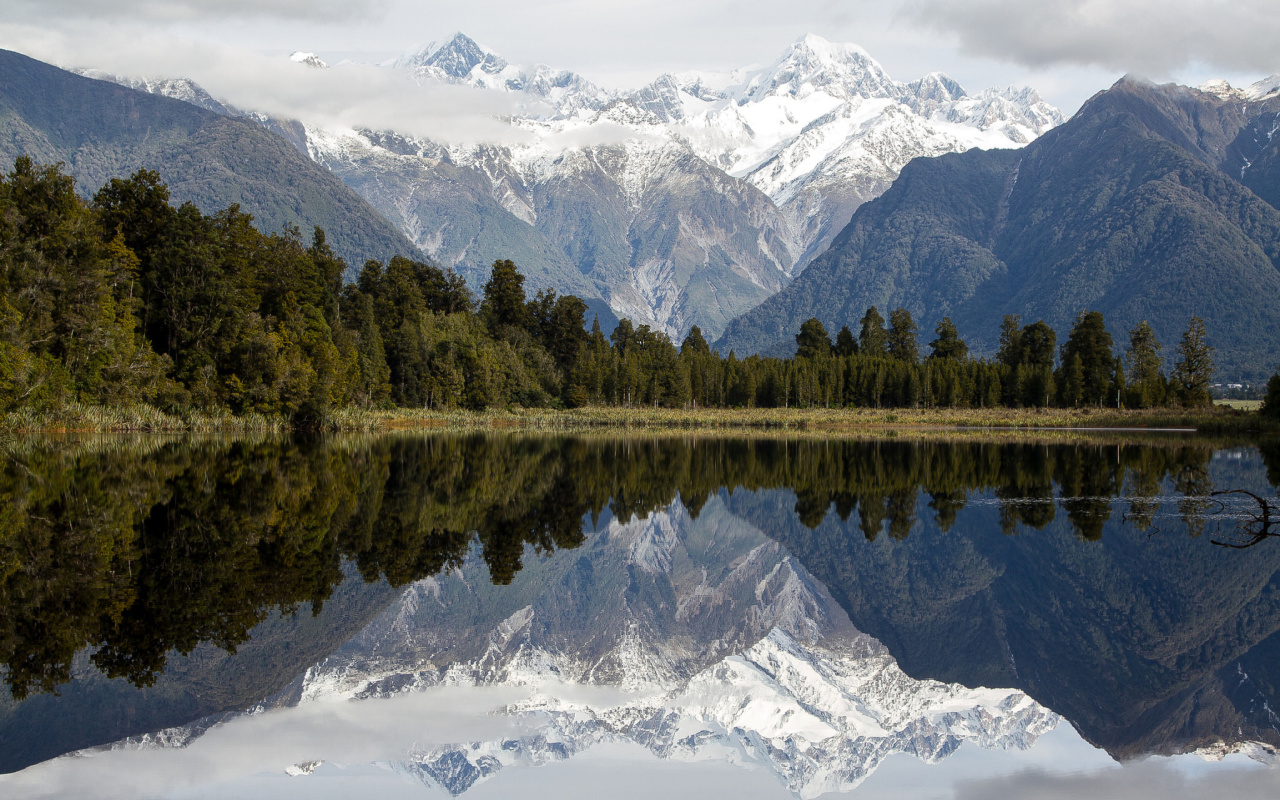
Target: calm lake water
x=441 y=615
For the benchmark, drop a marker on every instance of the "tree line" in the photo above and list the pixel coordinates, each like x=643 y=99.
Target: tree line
x=127 y=300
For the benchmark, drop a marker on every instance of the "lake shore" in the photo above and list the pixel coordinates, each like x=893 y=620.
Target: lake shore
x=91 y=419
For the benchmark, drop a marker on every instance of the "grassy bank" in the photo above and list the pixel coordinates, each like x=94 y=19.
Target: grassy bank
x=1215 y=420
x=1218 y=419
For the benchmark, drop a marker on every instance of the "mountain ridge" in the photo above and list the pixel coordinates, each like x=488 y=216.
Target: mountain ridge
x=1131 y=208
x=799 y=143
x=103 y=131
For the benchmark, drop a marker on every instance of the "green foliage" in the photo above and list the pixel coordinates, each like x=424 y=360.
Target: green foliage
x=948 y=344
x=812 y=340
x=1146 y=382
x=846 y=345
x=503 y=306
x=1088 y=363
x=903 y=345
x=1271 y=405
x=131 y=302
x=873 y=340
x=1194 y=368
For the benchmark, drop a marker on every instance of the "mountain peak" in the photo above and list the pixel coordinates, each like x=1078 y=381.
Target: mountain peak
x=824 y=48
x=937 y=87
x=456 y=57
x=813 y=64
x=309 y=59
x=1264 y=89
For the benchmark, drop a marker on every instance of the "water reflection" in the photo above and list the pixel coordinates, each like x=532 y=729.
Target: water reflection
x=1072 y=572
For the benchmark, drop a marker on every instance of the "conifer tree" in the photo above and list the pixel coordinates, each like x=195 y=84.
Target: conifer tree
x=873 y=340
x=1010 y=352
x=1271 y=404
x=948 y=344
x=1146 y=383
x=812 y=340
x=903 y=344
x=503 y=305
x=846 y=345
x=1090 y=344
x=1194 y=369
x=694 y=342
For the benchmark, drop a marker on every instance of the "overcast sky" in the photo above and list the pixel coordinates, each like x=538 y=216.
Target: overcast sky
x=1067 y=49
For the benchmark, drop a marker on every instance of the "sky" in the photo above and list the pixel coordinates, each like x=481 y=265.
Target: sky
x=1066 y=49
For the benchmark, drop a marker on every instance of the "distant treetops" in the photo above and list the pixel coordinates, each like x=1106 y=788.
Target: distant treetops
x=1023 y=371
x=127 y=300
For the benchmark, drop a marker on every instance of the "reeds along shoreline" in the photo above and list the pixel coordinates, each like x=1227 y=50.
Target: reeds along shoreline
x=86 y=418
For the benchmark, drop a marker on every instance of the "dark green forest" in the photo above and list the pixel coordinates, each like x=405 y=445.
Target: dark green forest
x=127 y=301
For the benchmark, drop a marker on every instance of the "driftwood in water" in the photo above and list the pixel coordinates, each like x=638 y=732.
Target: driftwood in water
x=1262 y=524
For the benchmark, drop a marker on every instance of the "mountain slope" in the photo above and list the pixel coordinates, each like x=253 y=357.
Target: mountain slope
x=1131 y=209
x=685 y=202
x=103 y=131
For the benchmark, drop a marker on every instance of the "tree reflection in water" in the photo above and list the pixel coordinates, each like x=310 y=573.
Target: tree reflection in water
x=136 y=548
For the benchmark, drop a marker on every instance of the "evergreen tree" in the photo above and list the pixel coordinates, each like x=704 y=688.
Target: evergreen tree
x=1036 y=344
x=903 y=345
x=1194 y=368
x=503 y=307
x=1270 y=405
x=873 y=340
x=1072 y=391
x=1090 y=344
x=1010 y=352
x=846 y=345
x=1146 y=382
x=948 y=344
x=812 y=340
x=695 y=343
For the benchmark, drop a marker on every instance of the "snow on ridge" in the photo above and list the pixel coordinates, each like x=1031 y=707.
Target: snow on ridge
x=1264 y=89
x=308 y=59
x=819 y=719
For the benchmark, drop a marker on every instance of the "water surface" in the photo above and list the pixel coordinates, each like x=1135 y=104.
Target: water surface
x=426 y=615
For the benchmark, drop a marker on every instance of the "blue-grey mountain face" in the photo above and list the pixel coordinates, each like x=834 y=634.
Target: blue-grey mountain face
x=1153 y=203
x=103 y=131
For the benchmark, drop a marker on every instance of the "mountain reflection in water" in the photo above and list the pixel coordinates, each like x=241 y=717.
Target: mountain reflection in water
x=1078 y=573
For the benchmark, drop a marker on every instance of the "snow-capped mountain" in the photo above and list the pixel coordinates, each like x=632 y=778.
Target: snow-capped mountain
x=460 y=60
x=817 y=133
x=685 y=202
x=698 y=639
x=1264 y=89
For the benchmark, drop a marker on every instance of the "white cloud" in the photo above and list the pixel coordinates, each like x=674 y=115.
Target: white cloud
x=181 y=10
x=345 y=96
x=1156 y=779
x=1155 y=37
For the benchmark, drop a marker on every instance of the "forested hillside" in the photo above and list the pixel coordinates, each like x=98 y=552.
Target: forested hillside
x=127 y=301
x=101 y=131
x=1134 y=208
